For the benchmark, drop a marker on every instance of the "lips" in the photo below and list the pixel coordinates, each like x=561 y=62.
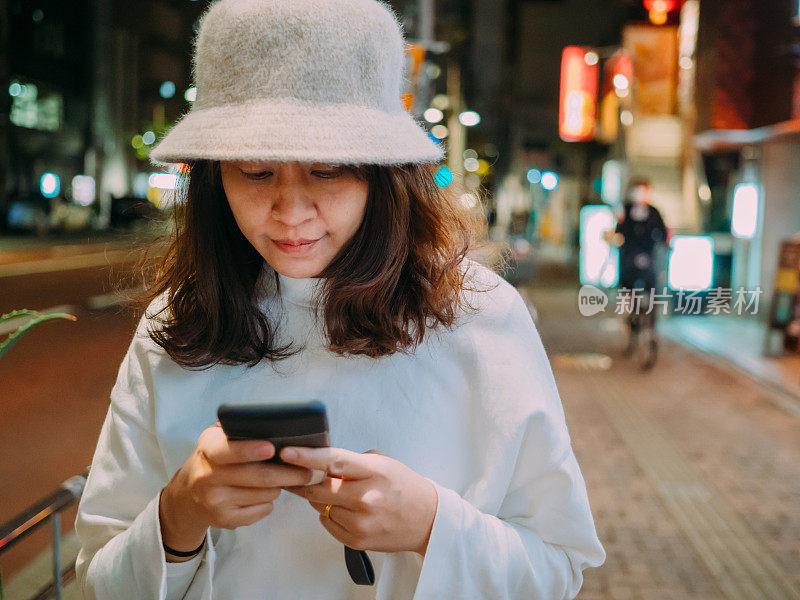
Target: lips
x=298 y=242
x=295 y=247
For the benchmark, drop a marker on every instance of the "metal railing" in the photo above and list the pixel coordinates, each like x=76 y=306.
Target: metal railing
x=48 y=508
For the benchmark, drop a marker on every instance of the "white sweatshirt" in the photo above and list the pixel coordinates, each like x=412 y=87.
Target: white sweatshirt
x=475 y=409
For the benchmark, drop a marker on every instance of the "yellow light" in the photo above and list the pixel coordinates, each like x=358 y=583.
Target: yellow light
x=440 y=131
x=658 y=17
x=441 y=101
x=433 y=71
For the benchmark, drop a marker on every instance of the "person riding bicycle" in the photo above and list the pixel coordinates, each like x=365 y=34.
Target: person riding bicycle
x=638 y=233
x=642 y=229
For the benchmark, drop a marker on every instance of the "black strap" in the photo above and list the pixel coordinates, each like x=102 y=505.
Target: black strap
x=181 y=554
x=359 y=566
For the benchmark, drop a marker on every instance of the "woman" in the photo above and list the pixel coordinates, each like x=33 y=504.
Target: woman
x=315 y=257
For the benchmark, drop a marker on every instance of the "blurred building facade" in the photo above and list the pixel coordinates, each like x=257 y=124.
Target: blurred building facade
x=528 y=100
x=748 y=128
x=84 y=78
x=92 y=83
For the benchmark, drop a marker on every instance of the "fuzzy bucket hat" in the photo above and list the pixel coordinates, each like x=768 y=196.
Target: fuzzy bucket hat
x=298 y=80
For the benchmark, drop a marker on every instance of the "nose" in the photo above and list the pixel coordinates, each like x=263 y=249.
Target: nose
x=292 y=206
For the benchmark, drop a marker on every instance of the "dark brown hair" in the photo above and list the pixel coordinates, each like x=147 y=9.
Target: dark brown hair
x=401 y=272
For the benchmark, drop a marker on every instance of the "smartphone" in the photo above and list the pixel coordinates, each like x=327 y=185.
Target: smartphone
x=301 y=423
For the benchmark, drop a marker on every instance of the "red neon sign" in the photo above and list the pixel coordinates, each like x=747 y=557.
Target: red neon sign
x=660 y=6
x=578 y=103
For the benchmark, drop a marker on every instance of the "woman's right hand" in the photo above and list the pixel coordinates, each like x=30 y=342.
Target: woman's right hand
x=222 y=484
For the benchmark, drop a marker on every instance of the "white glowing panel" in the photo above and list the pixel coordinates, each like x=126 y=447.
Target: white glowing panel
x=599 y=261
x=691 y=262
x=745 y=210
x=83 y=189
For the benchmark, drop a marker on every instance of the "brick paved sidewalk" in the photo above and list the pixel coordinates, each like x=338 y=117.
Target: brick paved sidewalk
x=693 y=472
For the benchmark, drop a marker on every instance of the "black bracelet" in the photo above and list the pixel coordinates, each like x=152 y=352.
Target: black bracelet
x=180 y=554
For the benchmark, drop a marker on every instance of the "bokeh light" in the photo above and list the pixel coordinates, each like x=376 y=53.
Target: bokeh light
x=534 y=175
x=440 y=131
x=443 y=177
x=167 y=89
x=549 y=181
x=471 y=164
x=441 y=101
x=433 y=115
x=50 y=185
x=469 y=118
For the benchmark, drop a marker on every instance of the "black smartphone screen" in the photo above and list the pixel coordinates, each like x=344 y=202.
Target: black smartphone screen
x=284 y=424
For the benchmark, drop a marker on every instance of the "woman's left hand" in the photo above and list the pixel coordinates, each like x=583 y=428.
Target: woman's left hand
x=378 y=503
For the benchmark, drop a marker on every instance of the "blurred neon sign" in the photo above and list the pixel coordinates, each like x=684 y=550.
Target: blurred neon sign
x=578 y=100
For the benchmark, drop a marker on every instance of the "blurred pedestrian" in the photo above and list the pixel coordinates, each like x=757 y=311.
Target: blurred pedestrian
x=641 y=229
x=639 y=234
x=315 y=257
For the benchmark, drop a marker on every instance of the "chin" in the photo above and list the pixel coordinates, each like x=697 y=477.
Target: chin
x=297 y=269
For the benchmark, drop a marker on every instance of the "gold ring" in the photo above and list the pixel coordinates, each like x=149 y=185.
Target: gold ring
x=327 y=511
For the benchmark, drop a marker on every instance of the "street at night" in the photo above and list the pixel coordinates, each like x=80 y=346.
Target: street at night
x=693 y=469
x=316 y=192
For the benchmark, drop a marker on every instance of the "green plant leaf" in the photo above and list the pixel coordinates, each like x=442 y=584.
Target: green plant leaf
x=37 y=318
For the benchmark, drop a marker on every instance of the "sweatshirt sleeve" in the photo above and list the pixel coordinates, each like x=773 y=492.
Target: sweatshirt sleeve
x=117 y=523
x=536 y=545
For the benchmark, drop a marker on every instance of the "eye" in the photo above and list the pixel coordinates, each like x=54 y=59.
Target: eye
x=257 y=175
x=328 y=173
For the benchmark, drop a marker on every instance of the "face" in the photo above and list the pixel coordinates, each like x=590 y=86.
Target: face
x=296 y=215
x=641 y=193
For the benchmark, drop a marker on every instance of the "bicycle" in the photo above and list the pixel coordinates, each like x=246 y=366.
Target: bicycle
x=640 y=321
